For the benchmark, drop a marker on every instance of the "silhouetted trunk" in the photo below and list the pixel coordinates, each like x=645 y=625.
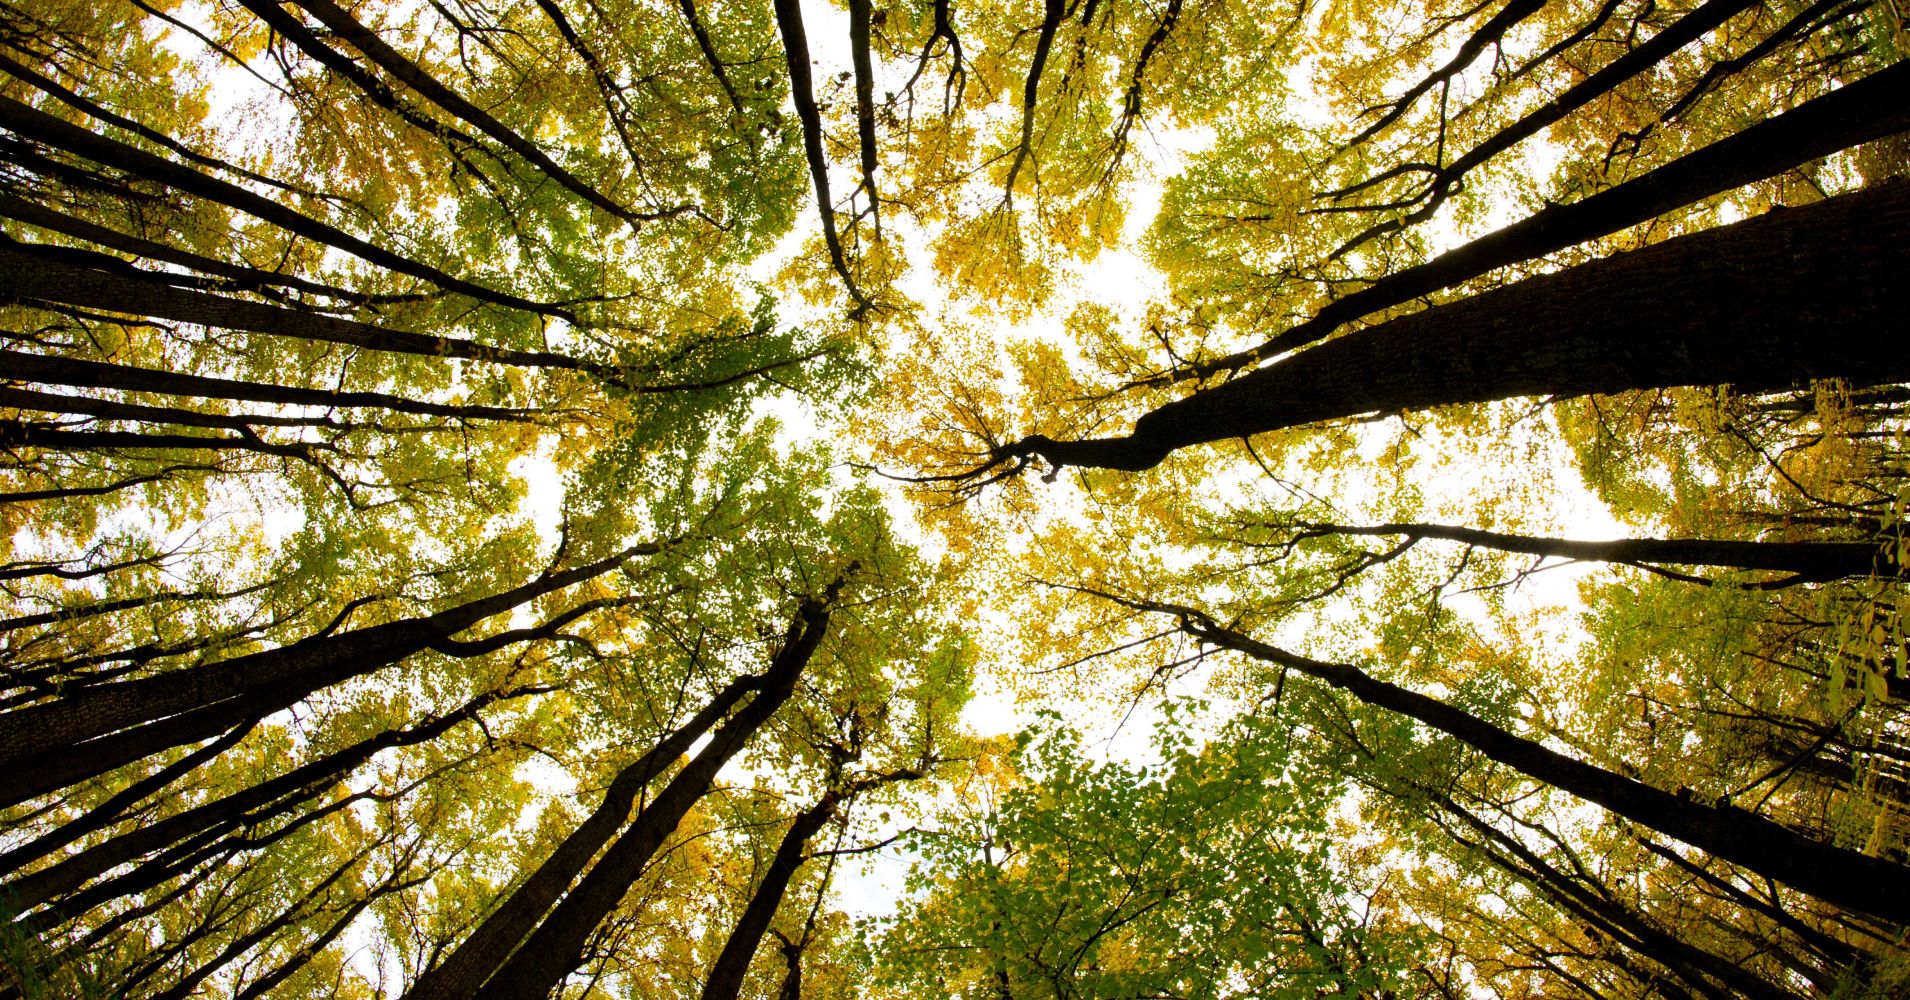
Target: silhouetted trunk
x=1814 y=292
x=106 y=813
x=82 y=374
x=31 y=271
x=301 y=958
x=802 y=95
x=238 y=946
x=244 y=808
x=1808 y=561
x=726 y=975
x=1441 y=182
x=38 y=126
x=414 y=76
x=1872 y=108
x=248 y=278
x=466 y=968
x=89 y=729
x=556 y=947
x=1836 y=875
x=1701 y=969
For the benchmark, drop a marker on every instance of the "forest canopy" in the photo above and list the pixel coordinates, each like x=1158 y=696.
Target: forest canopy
x=1183 y=499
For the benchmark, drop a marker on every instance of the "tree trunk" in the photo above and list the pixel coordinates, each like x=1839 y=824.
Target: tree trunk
x=555 y=947
x=1872 y=108
x=1836 y=875
x=249 y=278
x=82 y=374
x=1633 y=928
x=1807 y=561
x=1820 y=291
x=725 y=981
x=414 y=76
x=89 y=729
x=248 y=807
x=103 y=815
x=461 y=973
x=38 y=126
x=29 y=275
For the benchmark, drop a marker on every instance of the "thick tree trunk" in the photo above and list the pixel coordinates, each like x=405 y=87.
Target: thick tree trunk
x=460 y=974
x=1807 y=561
x=1872 y=108
x=1821 y=291
x=1836 y=875
x=37 y=125
x=34 y=275
x=556 y=946
x=248 y=807
x=89 y=730
x=249 y=278
x=725 y=981
x=49 y=402
x=106 y=813
x=82 y=374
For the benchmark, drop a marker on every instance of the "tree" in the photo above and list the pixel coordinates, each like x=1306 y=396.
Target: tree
x=442 y=557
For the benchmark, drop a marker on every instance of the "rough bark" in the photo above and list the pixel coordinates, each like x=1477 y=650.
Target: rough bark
x=106 y=813
x=1814 y=292
x=250 y=278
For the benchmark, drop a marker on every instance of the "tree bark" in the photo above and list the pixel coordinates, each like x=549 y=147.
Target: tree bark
x=250 y=278
x=31 y=123
x=556 y=946
x=802 y=94
x=725 y=981
x=82 y=374
x=28 y=275
x=90 y=729
x=1443 y=179
x=106 y=813
x=1814 y=292
x=1836 y=875
x=1872 y=108
x=1807 y=561
x=412 y=75
x=248 y=807
x=466 y=968
x=1697 y=966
